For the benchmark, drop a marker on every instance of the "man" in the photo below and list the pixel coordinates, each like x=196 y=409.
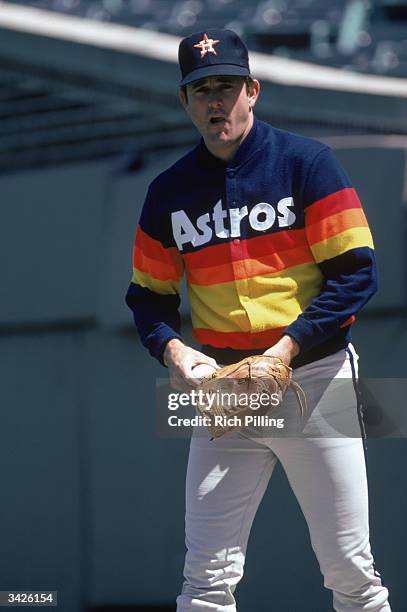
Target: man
x=279 y=259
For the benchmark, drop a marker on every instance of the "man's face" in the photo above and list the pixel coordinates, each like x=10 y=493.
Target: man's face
x=221 y=109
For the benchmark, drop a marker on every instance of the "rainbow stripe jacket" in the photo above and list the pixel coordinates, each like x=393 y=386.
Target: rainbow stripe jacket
x=274 y=241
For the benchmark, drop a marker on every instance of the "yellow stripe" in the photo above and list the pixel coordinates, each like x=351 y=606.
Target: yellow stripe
x=217 y=307
x=164 y=287
x=353 y=238
x=255 y=304
x=279 y=303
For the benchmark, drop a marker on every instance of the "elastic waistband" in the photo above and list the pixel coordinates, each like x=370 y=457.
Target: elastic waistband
x=226 y=356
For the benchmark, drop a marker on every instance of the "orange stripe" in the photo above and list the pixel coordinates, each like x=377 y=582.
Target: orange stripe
x=150 y=256
x=335 y=224
x=336 y=202
x=240 y=259
x=154 y=268
x=248 y=268
x=238 y=340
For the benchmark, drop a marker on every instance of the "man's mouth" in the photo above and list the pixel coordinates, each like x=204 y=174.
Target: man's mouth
x=216 y=120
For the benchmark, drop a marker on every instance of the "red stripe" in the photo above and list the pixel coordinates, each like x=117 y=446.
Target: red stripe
x=245 y=340
x=252 y=248
x=349 y=321
x=336 y=202
x=238 y=340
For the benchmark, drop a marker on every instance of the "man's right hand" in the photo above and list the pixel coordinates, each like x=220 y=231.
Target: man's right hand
x=181 y=360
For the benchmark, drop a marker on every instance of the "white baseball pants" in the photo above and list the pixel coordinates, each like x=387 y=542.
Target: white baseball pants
x=227 y=477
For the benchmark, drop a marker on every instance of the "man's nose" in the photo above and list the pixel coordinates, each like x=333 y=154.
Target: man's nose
x=214 y=100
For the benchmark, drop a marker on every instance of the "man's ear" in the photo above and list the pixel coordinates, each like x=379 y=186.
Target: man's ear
x=253 y=93
x=182 y=98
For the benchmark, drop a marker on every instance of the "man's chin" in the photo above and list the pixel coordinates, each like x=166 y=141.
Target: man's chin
x=220 y=136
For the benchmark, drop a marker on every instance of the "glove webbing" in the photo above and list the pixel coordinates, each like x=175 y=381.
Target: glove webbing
x=299 y=392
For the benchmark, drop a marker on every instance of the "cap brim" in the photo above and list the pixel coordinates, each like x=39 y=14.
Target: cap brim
x=215 y=70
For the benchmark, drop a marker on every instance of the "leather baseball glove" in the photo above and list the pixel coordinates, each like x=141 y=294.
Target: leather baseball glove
x=227 y=398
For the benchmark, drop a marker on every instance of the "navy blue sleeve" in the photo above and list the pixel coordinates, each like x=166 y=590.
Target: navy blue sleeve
x=153 y=293
x=349 y=281
x=156 y=318
x=340 y=241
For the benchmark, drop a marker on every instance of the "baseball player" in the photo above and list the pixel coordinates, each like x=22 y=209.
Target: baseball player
x=278 y=258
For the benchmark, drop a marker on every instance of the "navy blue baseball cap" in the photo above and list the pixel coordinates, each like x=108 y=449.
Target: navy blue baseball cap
x=212 y=53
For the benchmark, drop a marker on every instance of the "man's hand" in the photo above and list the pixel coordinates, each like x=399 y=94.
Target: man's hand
x=181 y=360
x=286 y=348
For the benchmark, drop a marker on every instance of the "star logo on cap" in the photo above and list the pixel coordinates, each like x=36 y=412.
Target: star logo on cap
x=206 y=45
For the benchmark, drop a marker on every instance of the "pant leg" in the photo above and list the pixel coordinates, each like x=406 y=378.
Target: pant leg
x=328 y=477
x=226 y=480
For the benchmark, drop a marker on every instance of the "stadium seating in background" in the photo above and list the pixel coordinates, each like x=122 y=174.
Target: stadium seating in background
x=58 y=105
x=368 y=36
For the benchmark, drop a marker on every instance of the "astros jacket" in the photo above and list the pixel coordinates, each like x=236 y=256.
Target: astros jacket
x=274 y=241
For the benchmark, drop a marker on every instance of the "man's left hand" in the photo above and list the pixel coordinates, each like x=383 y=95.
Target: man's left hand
x=286 y=348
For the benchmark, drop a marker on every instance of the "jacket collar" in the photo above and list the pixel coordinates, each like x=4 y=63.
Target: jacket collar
x=254 y=140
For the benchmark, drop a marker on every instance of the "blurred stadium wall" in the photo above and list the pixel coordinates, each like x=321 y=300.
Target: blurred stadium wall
x=92 y=500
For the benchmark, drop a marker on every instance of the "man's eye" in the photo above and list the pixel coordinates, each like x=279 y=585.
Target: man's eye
x=203 y=91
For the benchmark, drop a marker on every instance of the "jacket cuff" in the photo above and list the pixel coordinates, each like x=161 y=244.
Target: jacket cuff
x=160 y=341
x=303 y=332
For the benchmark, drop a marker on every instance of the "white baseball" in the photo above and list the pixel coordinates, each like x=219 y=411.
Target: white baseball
x=202 y=370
